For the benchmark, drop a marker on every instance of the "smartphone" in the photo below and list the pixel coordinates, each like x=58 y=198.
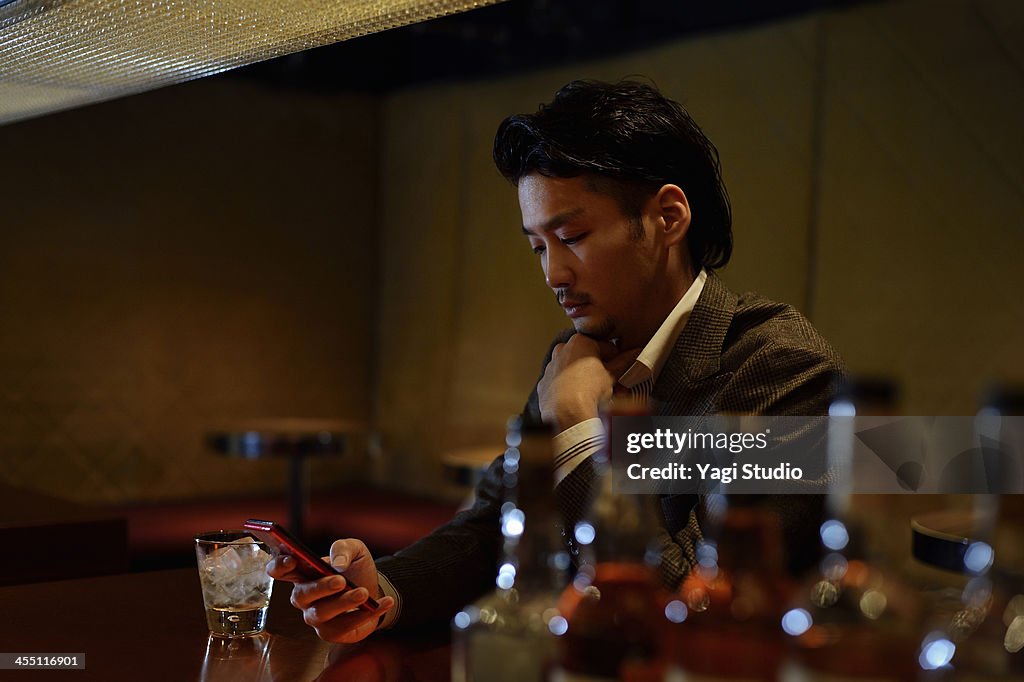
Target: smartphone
x=309 y=565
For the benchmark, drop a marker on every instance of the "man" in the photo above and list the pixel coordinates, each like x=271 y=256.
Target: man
x=623 y=203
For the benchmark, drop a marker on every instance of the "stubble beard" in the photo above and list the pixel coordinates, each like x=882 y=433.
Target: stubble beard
x=602 y=329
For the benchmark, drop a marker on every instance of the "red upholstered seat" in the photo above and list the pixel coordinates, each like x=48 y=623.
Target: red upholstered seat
x=386 y=522
x=160 y=534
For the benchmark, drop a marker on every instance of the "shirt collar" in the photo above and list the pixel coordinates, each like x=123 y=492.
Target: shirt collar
x=654 y=355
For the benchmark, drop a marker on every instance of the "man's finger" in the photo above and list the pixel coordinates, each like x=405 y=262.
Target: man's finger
x=328 y=609
x=582 y=342
x=344 y=552
x=621 y=362
x=304 y=594
x=353 y=626
x=282 y=567
x=607 y=350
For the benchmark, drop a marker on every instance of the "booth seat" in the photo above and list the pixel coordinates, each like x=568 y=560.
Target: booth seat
x=160 y=534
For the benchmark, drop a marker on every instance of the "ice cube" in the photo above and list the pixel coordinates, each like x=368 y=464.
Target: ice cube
x=231 y=561
x=236 y=574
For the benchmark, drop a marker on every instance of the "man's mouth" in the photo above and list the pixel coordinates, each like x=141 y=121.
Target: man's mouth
x=574 y=308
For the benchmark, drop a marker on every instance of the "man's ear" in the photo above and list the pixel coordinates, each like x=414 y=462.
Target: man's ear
x=673 y=209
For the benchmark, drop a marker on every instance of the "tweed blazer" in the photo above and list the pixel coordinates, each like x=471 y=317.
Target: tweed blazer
x=737 y=353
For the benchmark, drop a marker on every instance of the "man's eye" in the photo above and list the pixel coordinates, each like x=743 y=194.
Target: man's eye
x=569 y=241
x=539 y=249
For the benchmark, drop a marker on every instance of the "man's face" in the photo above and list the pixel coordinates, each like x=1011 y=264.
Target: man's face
x=607 y=278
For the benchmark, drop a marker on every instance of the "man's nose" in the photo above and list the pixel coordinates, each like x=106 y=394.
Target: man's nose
x=557 y=272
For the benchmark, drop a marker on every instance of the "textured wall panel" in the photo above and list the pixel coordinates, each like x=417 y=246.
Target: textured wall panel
x=186 y=262
x=922 y=218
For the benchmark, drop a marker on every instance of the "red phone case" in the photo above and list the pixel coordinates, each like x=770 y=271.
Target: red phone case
x=310 y=565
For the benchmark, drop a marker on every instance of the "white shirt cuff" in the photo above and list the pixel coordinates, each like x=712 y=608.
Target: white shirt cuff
x=389 y=590
x=575 y=444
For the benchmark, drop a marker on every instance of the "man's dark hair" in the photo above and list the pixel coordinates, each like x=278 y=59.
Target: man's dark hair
x=630 y=140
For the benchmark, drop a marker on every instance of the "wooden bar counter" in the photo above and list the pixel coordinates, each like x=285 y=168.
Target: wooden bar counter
x=151 y=626
x=93 y=542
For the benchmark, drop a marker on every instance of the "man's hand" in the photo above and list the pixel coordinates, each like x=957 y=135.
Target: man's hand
x=335 y=616
x=580 y=376
x=618 y=364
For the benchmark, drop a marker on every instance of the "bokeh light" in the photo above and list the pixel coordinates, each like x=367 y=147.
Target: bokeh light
x=979 y=557
x=584 y=533
x=796 y=622
x=676 y=611
x=558 y=626
x=834 y=535
x=937 y=654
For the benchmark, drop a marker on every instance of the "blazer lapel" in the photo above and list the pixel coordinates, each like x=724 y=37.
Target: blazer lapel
x=688 y=380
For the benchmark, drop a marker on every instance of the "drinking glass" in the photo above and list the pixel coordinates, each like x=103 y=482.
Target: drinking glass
x=236 y=587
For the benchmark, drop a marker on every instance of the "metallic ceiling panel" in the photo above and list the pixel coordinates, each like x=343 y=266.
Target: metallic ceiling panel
x=58 y=54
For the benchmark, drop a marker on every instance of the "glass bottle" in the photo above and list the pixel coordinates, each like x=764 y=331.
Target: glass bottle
x=735 y=596
x=974 y=579
x=616 y=628
x=854 y=616
x=509 y=633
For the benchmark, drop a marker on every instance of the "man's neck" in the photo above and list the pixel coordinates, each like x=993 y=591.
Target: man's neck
x=653 y=355
x=667 y=301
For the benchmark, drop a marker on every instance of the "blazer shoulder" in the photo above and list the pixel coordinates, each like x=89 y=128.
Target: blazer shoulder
x=778 y=361
x=758 y=323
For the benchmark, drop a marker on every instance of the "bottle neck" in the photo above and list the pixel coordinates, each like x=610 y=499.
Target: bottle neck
x=625 y=528
x=534 y=556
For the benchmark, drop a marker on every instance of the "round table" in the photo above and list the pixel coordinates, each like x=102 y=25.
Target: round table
x=295 y=439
